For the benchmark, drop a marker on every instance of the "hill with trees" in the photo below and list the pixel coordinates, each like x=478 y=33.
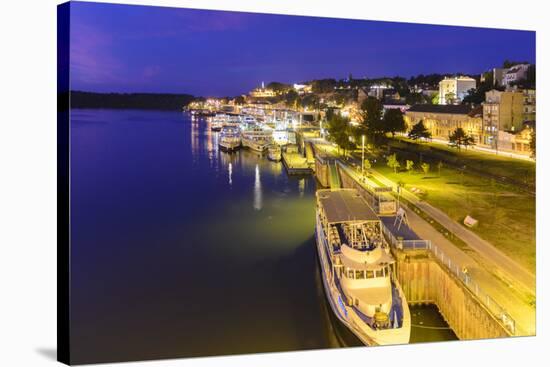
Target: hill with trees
x=142 y=101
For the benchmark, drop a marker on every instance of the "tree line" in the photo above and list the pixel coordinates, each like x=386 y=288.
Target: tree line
x=144 y=101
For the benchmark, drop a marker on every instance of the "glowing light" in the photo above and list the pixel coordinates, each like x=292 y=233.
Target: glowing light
x=257 y=190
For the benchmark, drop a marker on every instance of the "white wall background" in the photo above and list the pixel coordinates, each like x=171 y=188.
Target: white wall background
x=28 y=181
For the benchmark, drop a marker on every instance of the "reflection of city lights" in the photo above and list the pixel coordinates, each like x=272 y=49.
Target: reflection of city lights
x=302 y=186
x=230 y=173
x=257 y=190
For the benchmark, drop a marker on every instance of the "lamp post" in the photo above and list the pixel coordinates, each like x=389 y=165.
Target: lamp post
x=363 y=156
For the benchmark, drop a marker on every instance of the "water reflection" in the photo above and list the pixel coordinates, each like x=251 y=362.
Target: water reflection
x=257 y=189
x=201 y=237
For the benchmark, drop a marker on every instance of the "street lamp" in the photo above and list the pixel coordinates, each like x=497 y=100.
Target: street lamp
x=363 y=156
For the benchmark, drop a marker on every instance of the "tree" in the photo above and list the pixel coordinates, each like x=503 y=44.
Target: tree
x=425 y=168
x=459 y=138
x=414 y=98
x=450 y=98
x=366 y=164
x=371 y=116
x=439 y=166
x=292 y=98
x=392 y=162
x=532 y=144
x=409 y=166
x=419 y=131
x=279 y=87
x=508 y=64
x=239 y=100
x=393 y=121
x=323 y=86
x=340 y=131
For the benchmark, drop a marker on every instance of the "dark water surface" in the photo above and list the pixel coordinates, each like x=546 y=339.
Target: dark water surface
x=181 y=250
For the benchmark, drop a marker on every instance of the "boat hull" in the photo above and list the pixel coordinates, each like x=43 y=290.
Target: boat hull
x=258 y=147
x=275 y=157
x=346 y=314
x=229 y=146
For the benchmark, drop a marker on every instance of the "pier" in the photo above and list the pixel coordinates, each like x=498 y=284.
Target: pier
x=431 y=269
x=294 y=161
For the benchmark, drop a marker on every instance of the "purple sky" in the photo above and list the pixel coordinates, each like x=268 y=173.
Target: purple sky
x=129 y=48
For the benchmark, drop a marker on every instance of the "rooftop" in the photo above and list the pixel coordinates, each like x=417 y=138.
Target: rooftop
x=345 y=205
x=460 y=109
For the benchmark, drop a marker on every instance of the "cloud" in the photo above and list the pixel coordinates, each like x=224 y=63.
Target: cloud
x=91 y=56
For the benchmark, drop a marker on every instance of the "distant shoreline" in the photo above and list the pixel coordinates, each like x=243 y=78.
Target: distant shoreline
x=142 y=101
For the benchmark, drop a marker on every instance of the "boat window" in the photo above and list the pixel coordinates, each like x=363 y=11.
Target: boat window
x=370 y=274
x=379 y=273
x=359 y=274
x=350 y=273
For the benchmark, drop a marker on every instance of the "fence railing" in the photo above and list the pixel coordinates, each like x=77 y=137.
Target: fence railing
x=499 y=312
x=405 y=244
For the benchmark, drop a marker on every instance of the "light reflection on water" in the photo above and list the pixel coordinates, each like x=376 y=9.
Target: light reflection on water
x=257 y=189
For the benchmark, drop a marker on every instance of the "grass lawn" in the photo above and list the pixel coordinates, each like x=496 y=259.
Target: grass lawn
x=506 y=215
x=515 y=169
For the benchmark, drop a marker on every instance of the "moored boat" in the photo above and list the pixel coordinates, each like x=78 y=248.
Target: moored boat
x=217 y=122
x=256 y=138
x=358 y=270
x=274 y=152
x=230 y=138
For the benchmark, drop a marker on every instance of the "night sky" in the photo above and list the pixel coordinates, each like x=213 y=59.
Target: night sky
x=128 y=48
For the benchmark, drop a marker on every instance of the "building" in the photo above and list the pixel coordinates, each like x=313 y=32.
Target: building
x=505 y=117
x=502 y=111
x=262 y=92
x=395 y=105
x=442 y=120
x=498 y=76
x=515 y=73
x=453 y=90
x=529 y=105
x=303 y=88
x=519 y=141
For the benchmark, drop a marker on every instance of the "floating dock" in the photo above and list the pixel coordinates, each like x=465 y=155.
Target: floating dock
x=296 y=164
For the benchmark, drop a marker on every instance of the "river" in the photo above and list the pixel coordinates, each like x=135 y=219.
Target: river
x=181 y=250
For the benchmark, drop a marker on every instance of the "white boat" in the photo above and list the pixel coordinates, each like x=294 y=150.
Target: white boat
x=358 y=270
x=248 y=122
x=256 y=138
x=230 y=138
x=274 y=152
x=217 y=122
x=233 y=121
